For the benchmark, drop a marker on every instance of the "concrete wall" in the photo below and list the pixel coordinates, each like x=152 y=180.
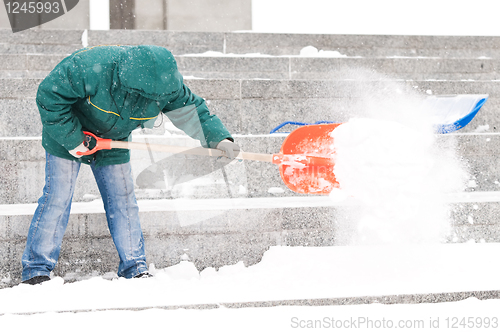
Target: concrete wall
x=4 y=20
x=150 y=14
x=122 y=14
x=186 y=15
x=209 y=15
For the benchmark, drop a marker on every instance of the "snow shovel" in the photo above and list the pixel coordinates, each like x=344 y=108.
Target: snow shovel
x=305 y=160
x=448 y=113
x=452 y=112
x=306 y=156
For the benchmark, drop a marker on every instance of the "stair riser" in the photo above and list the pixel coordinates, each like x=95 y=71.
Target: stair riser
x=273 y=44
x=257 y=106
x=291 y=67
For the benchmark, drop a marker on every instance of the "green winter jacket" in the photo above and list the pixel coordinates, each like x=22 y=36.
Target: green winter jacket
x=112 y=90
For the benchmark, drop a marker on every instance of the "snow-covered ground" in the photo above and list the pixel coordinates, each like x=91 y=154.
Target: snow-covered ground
x=285 y=273
x=481 y=315
x=441 y=316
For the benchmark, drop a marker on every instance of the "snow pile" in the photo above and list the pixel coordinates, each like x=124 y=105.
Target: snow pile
x=285 y=273
x=311 y=51
x=388 y=159
x=308 y=51
x=220 y=54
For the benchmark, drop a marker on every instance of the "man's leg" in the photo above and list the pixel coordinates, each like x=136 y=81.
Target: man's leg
x=51 y=217
x=116 y=185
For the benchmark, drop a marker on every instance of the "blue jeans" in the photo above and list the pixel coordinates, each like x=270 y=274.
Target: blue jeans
x=51 y=217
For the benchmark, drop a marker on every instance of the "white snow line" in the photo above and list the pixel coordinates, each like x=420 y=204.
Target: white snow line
x=187 y=205
x=221 y=204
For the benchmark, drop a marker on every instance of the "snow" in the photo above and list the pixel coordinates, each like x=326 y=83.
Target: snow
x=260 y=319
x=218 y=204
x=400 y=179
x=220 y=54
x=383 y=17
x=482 y=128
x=275 y=190
x=85 y=38
x=311 y=51
x=285 y=273
x=307 y=51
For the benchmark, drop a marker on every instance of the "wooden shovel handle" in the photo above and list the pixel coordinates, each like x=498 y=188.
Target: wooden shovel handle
x=290 y=159
x=107 y=144
x=189 y=150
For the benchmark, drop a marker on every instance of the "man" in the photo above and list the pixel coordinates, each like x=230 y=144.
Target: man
x=109 y=91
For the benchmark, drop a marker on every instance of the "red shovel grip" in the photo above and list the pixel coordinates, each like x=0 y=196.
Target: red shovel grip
x=100 y=144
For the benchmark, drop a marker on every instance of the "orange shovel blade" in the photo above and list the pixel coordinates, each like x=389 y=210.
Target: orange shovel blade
x=304 y=178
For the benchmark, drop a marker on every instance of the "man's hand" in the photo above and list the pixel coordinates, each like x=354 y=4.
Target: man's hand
x=230 y=149
x=79 y=148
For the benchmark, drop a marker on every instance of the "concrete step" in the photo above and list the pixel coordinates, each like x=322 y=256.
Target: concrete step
x=22 y=172
x=65 y=41
x=365 y=45
x=257 y=106
x=285 y=67
x=213 y=232
x=30 y=62
x=313 y=68
x=37 y=41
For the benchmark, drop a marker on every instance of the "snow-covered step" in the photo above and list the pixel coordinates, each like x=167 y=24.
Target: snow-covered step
x=24 y=74
x=310 y=66
x=30 y=62
x=476 y=199
x=292 y=44
x=257 y=106
x=19 y=88
x=36 y=41
x=365 y=45
x=180 y=42
x=332 y=67
x=294 y=278
x=213 y=232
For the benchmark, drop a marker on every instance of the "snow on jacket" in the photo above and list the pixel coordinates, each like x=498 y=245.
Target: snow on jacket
x=112 y=90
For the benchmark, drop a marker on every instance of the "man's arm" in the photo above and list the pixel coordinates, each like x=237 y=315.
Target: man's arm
x=57 y=92
x=189 y=113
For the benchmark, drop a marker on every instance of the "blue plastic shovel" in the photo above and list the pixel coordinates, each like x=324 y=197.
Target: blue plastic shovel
x=449 y=112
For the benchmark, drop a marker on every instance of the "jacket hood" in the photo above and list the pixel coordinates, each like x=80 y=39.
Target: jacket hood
x=150 y=71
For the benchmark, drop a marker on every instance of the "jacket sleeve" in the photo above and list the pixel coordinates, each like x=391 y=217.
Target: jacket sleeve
x=189 y=113
x=57 y=92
